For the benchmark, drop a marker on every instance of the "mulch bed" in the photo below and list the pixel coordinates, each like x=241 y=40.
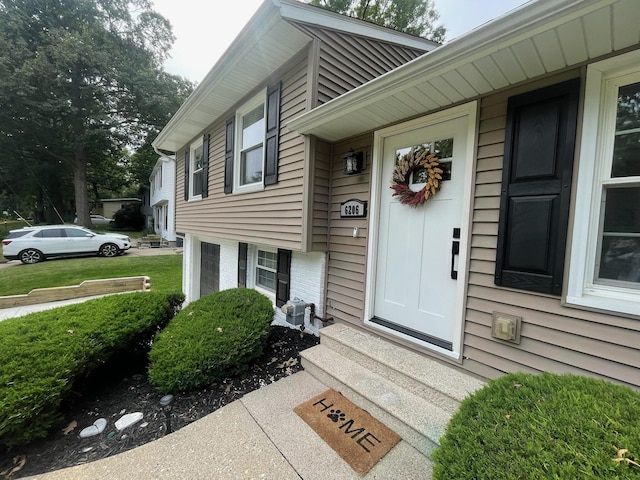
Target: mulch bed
x=129 y=391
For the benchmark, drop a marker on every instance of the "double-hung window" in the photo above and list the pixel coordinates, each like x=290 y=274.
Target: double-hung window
x=196 y=169
x=605 y=257
x=266 y=270
x=196 y=158
x=250 y=141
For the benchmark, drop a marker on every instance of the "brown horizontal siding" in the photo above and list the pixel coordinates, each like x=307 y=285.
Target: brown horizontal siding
x=553 y=337
x=346 y=267
x=272 y=217
x=347 y=61
x=321 y=183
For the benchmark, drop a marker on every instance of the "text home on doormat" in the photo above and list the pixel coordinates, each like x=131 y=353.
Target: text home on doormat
x=356 y=436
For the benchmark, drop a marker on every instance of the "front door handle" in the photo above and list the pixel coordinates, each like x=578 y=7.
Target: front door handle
x=455 y=250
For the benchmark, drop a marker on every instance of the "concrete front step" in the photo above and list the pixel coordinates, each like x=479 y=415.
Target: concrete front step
x=441 y=384
x=413 y=395
x=419 y=422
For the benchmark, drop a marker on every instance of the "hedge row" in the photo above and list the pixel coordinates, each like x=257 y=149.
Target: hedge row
x=43 y=354
x=212 y=338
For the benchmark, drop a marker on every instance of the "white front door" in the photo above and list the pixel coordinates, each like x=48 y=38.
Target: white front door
x=419 y=252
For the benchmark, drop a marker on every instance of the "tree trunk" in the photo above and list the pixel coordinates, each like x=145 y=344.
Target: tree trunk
x=80 y=187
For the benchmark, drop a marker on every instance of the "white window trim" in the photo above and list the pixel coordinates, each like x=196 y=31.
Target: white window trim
x=596 y=146
x=253 y=277
x=192 y=171
x=237 y=146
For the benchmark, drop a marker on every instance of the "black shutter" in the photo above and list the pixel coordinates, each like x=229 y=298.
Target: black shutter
x=205 y=165
x=209 y=268
x=186 y=174
x=536 y=188
x=272 y=136
x=242 y=264
x=284 y=277
x=228 y=154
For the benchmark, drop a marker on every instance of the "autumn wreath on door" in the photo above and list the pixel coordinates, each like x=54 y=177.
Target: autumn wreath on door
x=416 y=160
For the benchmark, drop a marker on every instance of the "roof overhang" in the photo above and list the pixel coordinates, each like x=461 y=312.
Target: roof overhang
x=268 y=41
x=538 y=38
x=265 y=44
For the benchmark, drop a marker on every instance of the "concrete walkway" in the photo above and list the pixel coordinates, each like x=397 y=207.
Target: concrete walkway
x=256 y=437
x=26 y=309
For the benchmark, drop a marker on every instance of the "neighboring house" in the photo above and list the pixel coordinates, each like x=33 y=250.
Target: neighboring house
x=528 y=258
x=163 y=192
x=111 y=205
x=252 y=195
x=145 y=205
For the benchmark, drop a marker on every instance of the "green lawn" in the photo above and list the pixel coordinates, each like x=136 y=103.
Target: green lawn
x=165 y=272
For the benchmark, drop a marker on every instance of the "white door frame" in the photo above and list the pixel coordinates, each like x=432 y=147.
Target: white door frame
x=378 y=184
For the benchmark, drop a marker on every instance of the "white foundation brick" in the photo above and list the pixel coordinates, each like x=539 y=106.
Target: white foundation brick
x=308 y=272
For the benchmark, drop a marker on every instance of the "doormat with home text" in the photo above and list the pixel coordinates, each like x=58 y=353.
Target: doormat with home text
x=356 y=436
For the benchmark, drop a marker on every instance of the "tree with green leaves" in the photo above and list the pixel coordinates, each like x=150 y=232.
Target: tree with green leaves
x=81 y=81
x=416 y=17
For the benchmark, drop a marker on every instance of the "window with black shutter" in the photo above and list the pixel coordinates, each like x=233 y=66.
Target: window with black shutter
x=186 y=174
x=228 y=155
x=205 y=165
x=242 y=264
x=252 y=143
x=536 y=188
x=209 y=268
x=272 y=135
x=283 y=277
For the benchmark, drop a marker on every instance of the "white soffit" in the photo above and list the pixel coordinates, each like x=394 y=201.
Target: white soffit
x=536 y=39
x=265 y=44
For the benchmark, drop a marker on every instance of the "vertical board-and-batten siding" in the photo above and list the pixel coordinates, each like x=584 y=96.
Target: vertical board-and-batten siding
x=271 y=217
x=348 y=255
x=553 y=337
x=347 y=61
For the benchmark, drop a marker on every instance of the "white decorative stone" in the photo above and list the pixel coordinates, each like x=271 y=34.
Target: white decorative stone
x=128 y=420
x=95 y=429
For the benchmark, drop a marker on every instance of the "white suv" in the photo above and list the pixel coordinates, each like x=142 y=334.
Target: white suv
x=35 y=244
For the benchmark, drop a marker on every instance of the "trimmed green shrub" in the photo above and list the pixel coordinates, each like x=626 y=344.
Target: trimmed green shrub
x=525 y=426
x=43 y=354
x=214 y=337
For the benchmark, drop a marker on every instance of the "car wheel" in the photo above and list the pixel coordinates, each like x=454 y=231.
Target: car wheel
x=109 y=250
x=31 y=255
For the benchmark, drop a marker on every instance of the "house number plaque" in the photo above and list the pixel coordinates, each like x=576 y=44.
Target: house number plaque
x=353 y=209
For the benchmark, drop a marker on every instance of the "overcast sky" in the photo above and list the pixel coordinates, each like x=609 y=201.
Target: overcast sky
x=204 y=28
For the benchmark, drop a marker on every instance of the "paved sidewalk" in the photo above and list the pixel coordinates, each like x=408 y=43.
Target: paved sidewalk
x=38 y=307
x=256 y=437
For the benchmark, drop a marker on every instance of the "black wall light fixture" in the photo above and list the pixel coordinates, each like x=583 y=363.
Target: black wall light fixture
x=353 y=163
